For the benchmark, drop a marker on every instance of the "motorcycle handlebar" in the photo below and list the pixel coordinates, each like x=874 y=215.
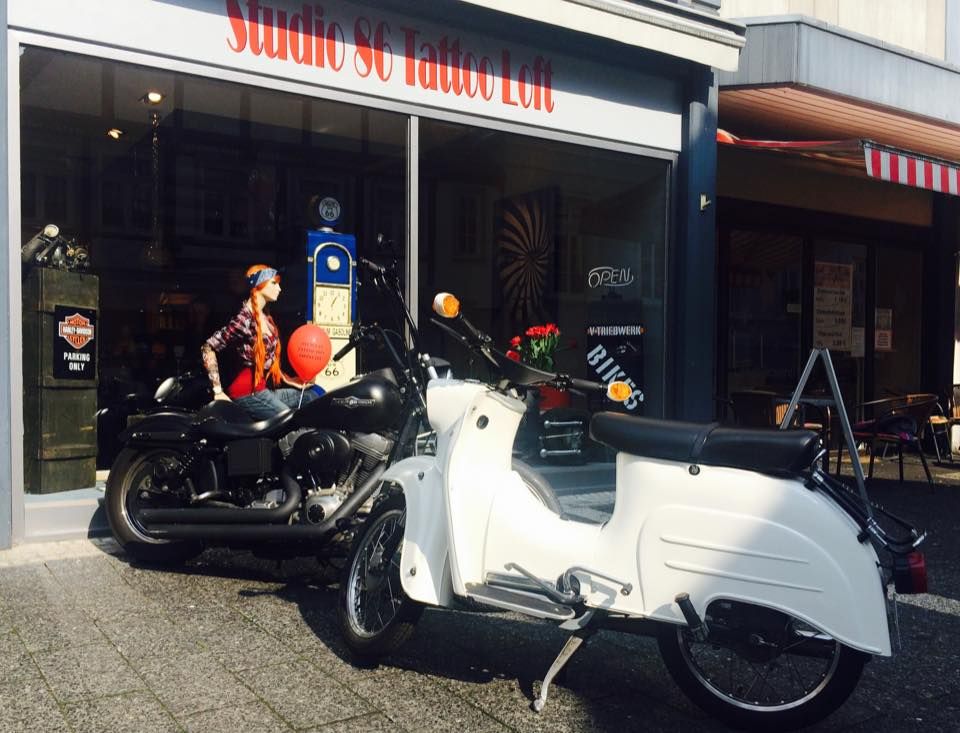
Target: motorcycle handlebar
x=372 y=267
x=348 y=347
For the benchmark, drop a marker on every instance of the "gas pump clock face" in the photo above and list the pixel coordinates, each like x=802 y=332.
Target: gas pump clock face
x=332 y=306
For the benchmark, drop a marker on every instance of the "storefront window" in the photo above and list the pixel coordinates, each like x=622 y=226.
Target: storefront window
x=898 y=326
x=763 y=334
x=529 y=232
x=839 y=312
x=173 y=200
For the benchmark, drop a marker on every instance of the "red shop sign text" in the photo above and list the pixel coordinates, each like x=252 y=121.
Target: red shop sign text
x=442 y=65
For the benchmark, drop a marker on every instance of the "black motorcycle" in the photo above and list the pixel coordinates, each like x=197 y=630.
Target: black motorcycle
x=288 y=485
x=284 y=485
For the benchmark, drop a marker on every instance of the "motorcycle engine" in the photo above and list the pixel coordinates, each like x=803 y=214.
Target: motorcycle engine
x=338 y=464
x=371 y=449
x=324 y=454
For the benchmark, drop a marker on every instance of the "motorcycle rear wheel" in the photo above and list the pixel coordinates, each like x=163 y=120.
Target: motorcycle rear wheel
x=128 y=490
x=771 y=681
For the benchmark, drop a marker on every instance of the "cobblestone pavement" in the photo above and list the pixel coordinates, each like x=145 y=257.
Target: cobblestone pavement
x=89 y=641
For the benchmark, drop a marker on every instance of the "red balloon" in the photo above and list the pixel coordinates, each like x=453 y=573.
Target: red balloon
x=309 y=351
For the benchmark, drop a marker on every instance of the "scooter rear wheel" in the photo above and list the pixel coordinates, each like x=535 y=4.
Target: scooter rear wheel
x=376 y=617
x=771 y=672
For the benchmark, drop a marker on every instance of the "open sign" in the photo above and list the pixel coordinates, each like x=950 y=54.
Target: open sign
x=607 y=276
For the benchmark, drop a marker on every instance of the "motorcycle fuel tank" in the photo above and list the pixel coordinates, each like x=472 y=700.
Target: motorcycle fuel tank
x=368 y=405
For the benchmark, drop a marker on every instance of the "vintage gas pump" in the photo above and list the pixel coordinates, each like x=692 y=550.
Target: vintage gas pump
x=332 y=289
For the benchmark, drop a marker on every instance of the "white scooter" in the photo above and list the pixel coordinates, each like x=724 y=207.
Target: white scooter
x=758 y=573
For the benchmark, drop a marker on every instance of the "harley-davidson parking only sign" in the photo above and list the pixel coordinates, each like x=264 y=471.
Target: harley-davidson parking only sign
x=74 y=345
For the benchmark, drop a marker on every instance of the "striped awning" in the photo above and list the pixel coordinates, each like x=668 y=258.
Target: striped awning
x=883 y=162
x=911 y=169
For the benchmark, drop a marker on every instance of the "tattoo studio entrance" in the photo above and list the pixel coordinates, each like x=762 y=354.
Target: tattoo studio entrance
x=531 y=169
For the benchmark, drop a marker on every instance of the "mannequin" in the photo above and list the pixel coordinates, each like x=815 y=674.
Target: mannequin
x=256 y=339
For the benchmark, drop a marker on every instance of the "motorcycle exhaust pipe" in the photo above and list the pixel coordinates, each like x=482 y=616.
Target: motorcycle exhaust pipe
x=232 y=532
x=218 y=515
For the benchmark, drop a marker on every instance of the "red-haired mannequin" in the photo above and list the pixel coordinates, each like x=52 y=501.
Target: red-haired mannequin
x=256 y=339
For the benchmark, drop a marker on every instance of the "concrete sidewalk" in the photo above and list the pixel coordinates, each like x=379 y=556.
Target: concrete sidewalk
x=90 y=642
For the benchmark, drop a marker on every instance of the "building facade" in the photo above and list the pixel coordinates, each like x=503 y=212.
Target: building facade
x=547 y=162
x=818 y=246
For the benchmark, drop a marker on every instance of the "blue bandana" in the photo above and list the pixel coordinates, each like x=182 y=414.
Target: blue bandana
x=260 y=277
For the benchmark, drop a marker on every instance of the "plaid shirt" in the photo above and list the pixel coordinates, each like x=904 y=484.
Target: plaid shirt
x=241 y=333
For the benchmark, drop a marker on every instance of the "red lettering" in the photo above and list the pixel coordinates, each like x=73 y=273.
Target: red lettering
x=456 y=82
x=468 y=69
x=301 y=49
x=318 y=35
x=237 y=25
x=505 y=79
x=253 y=20
x=382 y=52
x=444 y=67
x=275 y=47
x=409 y=46
x=427 y=68
x=548 y=86
x=486 y=75
x=335 y=46
x=363 y=56
x=523 y=86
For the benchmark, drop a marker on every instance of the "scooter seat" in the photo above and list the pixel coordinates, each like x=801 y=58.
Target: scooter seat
x=212 y=423
x=765 y=451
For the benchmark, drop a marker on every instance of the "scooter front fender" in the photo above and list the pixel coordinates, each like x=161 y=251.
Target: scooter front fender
x=424 y=559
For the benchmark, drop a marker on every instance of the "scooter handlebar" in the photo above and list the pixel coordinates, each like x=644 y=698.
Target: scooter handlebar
x=586 y=386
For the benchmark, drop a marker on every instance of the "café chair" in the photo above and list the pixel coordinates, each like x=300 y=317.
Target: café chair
x=941 y=423
x=896 y=421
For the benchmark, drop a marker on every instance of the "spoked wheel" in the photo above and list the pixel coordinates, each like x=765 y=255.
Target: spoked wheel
x=375 y=615
x=761 y=669
x=135 y=483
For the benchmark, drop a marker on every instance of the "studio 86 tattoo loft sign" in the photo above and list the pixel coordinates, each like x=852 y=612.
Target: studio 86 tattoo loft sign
x=74 y=345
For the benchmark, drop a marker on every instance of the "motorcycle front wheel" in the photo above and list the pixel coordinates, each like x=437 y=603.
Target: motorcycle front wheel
x=131 y=487
x=376 y=617
x=771 y=672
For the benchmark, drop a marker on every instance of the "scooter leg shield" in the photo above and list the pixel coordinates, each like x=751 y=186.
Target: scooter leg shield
x=424 y=563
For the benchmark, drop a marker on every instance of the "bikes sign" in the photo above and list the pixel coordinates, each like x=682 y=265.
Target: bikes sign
x=74 y=345
x=615 y=353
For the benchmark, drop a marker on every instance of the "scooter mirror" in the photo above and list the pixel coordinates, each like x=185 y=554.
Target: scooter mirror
x=619 y=391
x=446 y=305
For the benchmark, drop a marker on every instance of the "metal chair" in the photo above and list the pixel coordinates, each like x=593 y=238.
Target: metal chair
x=941 y=422
x=897 y=421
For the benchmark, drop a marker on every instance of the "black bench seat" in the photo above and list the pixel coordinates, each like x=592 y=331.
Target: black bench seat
x=707 y=444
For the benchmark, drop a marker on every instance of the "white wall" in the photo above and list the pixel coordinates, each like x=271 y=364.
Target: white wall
x=917 y=25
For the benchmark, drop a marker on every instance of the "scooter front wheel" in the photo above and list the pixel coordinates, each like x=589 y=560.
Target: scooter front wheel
x=760 y=669
x=376 y=617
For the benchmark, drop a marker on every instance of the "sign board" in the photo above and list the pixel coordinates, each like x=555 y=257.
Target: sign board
x=74 y=343
x=883 y=329
x=832 y=306
x=384 y=55
x=615 y=353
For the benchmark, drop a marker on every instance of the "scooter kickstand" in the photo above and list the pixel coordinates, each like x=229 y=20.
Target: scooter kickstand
x=572 y=644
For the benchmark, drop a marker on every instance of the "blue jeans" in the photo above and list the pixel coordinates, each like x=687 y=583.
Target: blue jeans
x=270 y=402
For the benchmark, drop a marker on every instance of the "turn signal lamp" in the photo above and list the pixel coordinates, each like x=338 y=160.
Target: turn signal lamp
x=446 y=305
x=619 y=391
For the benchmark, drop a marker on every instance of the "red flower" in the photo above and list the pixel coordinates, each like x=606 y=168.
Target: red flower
x=515 y=342
x=515 y=355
